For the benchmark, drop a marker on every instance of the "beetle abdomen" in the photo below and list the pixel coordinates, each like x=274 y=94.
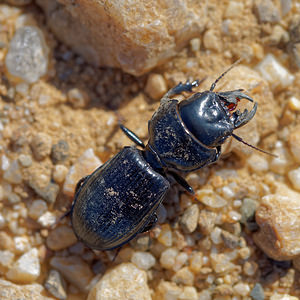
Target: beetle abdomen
x=117 y=201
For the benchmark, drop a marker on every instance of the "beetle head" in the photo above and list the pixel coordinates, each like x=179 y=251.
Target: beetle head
x=211 y=117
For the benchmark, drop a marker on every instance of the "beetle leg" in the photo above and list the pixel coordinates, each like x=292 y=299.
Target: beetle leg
x=151 y=223
x=131 y=135
x=181 y=87
x=181 y=181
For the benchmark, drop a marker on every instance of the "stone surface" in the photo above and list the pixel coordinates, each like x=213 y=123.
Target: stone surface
x=61 y=237
x=279 y=222
x=9 y=291
x=26 y=269
x=122 y=282
x=56 y=285
x=27 y=57
x=136 y=40
x=74 y=270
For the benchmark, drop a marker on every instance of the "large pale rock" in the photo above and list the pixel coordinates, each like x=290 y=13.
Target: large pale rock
x=125 y=281
x=133 y=35
x=9 y=291
x=278 y=217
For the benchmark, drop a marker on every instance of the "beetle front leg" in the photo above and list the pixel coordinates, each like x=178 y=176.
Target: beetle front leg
x=179 y=88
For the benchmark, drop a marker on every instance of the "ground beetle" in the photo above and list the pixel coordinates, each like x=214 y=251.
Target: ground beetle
x=120 y=198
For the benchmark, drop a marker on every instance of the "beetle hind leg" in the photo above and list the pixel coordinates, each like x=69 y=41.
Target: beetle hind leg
x=151 y=223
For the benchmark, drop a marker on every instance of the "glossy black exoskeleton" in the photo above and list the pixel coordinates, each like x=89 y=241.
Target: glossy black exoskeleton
x=120 y=198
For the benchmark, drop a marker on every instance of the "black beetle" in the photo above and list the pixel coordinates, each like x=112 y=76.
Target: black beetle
x=120 y=198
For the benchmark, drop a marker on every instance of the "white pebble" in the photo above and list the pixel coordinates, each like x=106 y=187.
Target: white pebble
x=6 y=258
x=242 y=289
x=47 y=219
x=4 y=162
x=27 y=56
x=294 y=177
x=21 y=244
x=294 y=104
x=26 y=269
x=210 y=198
x=167 y=258
x=258 y=163
x=37 y=208
x=216 y=235
x=2 y=221
x=143 y=260
x=272 y=71
x=60 y=172
x=234 y=216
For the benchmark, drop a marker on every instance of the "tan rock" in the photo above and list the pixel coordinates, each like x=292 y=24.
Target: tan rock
x=111 y=33
x=279 y=222
x=61 y=237
x=123 y=282
x=9 y=291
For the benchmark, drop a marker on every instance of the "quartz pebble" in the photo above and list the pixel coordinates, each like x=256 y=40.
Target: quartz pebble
x=168 y=257
x=60 y=151
x=165 y=236
x=11 y=291
x=37 y=208
x=26 y=269
x=266 y=11
x=125 y=281
x=143 y=260
x=168 y=290
x=56 y=285
x=47 y=219
x=272 y=71
x=210 y=198
x=207 y=220
x=74 y=270
x=84 y=165
x=27 y=56
x=13 y=173
x=221 y=263
x=189 y=219
x=242 y=289
x=25 y=160
x=60 y=238
x=277 y=296
x=21 y=244
x=184 y=276
x=258 y=163
x=278 y=219
x=156 y=86
x=6 y=259
x=59 y=173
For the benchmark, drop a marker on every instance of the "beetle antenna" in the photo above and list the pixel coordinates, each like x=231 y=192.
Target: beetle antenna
x=223 y=74
x=242 y=141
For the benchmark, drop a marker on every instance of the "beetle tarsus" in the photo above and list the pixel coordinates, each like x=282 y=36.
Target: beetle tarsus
x=182 y=182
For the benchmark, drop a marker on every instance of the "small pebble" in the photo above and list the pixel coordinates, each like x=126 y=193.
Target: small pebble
x=234 y=8
x=27 y=56
x=294 y=176
x=37 y=208
x=60 y=238
x=13 y=173
x=294 y=104
x=78 y=98
x=60 y=151
x=125 y=281
x=26 y=269
x=143 y=260
x=184 y=276
x=59 y=173
x=56 y=285
x=207 y=220
x=21 y=244
x=25 y=160
x=248 y=209
x=2 y=221
x=188 y=293
x=165 y=236
x=250 y=268
x=257 y=292
x=210 y=198
x=6 y=241
x=276 y=296
x=272 y=71
x=231 y=241
x=74 y=270
x=6 y=258
x=242 y=289
x=266 y=11
x=156 y=86
x=189 y=219
x=41 y=145
x=47 y=219
x=258 y=163
x=168 y=257
x=195 y=44
x=211 y=41
x=216 y=236
x=221 y=263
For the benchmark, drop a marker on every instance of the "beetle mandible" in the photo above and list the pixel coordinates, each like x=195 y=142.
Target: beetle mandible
x=120 y=198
